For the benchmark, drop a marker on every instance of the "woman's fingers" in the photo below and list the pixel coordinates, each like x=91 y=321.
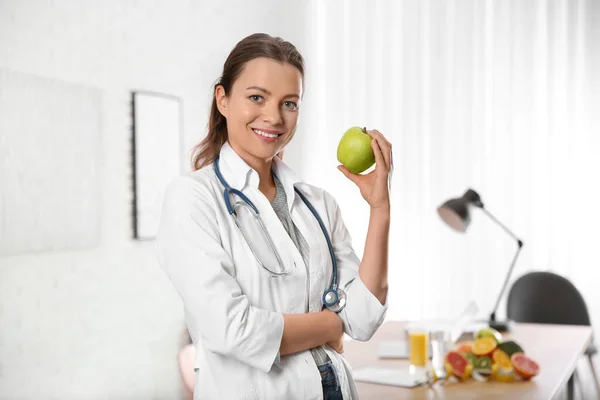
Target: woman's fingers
x=384 y=147
x=378 y=152
x=383 y=137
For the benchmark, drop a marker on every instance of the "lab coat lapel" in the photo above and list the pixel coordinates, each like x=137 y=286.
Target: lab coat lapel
x=320 y=268
x=241 y=176
x=283 y=243
x=289 y=180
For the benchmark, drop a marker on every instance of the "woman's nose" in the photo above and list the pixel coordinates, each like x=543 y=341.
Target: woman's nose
x=272 y=115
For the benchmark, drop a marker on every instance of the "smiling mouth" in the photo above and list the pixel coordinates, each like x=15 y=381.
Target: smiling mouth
x=270 y=135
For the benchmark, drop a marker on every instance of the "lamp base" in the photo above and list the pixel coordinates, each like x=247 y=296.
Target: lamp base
x=500 y=326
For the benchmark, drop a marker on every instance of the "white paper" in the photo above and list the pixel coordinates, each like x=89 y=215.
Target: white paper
x=388 y=376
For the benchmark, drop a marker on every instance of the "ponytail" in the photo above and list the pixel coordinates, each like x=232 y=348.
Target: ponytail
x=208 y=149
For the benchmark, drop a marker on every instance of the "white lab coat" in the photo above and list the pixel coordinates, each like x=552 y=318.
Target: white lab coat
x=233 y=307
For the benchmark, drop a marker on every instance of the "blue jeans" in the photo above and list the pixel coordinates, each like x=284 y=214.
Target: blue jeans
x=331 y=386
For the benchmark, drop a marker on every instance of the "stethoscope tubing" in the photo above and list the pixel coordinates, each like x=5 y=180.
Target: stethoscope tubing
x=229 y=190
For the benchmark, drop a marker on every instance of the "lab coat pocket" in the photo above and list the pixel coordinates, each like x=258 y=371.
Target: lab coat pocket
x=216 y=373
x=295 y=378
x=343 y=372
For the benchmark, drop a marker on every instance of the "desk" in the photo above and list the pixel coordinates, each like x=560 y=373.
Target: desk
x=556 y=348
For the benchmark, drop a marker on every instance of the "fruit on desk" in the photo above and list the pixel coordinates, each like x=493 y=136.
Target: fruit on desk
x=449 y=372
x=501 y=375
x=354 y=150
x=484 y=346
x=486 y=360
x=502 y=359
x=483 y=365
x=464 y=347
x=510 y=347
x=524 y=366
x=489 y=332
x=471 y=357
x=458 y=364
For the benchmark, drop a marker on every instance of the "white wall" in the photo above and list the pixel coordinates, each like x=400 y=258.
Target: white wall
x=106 y=323
x=501 y=96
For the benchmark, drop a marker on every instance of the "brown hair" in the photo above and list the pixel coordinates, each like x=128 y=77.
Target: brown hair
x=251 y=47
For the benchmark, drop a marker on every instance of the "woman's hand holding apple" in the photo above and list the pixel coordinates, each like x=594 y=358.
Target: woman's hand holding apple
x=374 y=186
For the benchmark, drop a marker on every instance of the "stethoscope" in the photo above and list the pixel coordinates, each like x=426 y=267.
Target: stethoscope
x=334 y=298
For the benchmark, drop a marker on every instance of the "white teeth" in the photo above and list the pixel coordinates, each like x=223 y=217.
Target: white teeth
x=265 y=134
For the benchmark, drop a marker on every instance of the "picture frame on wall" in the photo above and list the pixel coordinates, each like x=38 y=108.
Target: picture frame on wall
x=156 y=155
x=50 y=166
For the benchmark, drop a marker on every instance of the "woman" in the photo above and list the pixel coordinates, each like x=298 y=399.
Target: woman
x=254 y=295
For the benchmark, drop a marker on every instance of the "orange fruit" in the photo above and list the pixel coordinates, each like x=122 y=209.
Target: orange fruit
x=484 y=346
x=502 y=376
x=464 y=347
x=502 y=359
x=524 y=365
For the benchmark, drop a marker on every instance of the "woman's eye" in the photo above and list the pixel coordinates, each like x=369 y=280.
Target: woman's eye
x=256 y=98
x=290 y=105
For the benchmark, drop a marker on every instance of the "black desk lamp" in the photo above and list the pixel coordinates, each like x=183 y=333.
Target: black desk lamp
x=455 y=213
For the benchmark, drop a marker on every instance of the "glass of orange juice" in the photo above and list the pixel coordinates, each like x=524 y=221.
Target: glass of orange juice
x=418 y=339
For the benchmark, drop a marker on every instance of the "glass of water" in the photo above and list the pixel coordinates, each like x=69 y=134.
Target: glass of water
x=440 y=345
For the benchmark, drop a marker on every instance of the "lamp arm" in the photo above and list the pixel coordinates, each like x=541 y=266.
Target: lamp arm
x=512 y=264
x=512 y=235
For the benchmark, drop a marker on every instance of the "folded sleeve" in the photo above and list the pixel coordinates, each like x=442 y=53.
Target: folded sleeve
x=363 y=313
x=189 y=250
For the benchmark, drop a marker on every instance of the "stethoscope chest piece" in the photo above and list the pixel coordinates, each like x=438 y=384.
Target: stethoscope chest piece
x=334 y=299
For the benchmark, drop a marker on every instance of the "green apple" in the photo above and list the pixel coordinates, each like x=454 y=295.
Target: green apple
x=489 y=332
x=354 y=150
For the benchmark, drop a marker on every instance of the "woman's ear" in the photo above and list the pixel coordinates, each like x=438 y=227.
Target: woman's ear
x=221 y=99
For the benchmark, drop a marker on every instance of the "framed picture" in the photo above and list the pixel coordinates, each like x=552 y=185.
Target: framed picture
x=50 y=164
x=157 y=149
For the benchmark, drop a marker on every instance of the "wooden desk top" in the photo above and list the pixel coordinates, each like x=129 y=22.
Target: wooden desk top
x=556 y=348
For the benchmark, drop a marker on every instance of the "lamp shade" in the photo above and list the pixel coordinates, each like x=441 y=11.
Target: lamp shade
x=455 y=212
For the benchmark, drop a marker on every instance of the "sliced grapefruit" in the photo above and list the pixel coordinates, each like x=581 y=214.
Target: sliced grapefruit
x=458 y=364
x=524 y=366
x=484 y=346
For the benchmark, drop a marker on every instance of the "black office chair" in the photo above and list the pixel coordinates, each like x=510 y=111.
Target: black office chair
x=547 y=298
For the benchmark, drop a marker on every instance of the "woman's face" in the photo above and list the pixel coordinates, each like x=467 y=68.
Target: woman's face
x=262 y=108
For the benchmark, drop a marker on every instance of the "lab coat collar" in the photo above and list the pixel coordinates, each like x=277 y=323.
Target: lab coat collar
x=239 y=174
x=288 y=179
x=235 y=170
